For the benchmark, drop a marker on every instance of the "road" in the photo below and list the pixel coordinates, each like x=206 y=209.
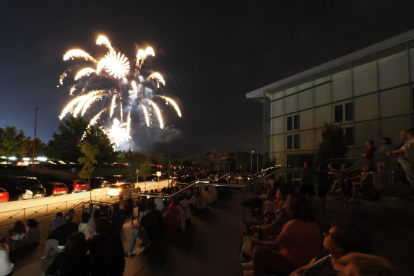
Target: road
x=39 y=207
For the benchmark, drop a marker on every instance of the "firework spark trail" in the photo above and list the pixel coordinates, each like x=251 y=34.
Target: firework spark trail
x=145 y=114
x=117 y=65
x=62 y=77
x=72 y=89
x=157 y=110
x=83 y=100
x=103 y=40
x=157 y=77
x=69 y=107
x=75 y=53
x=96 y=118
x=173 y=103
x=89 y=102
x=84 y=73
x=134 y=86
x=128 y=129
x=113 y=105
x=121 y=111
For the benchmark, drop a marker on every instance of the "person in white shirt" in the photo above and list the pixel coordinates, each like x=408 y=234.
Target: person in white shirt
x=87 y=226
x=406 y=159
x=185 y=212
x=6 y=268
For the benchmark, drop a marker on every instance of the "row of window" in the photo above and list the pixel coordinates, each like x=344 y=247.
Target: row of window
x=293 y=141
x=341 y=111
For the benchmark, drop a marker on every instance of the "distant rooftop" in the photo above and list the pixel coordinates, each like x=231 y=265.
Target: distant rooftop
x=401 y=38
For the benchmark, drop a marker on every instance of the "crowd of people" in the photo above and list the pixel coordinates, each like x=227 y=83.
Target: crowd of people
x=287 y=240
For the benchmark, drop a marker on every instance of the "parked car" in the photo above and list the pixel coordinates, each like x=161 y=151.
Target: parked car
x=56 y=188
x=122 y=189
x=22 y=187
x=98 y=182
x=4 y=195
x=75 y=186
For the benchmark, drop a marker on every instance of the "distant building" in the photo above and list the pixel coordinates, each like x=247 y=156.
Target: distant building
x=369 y=92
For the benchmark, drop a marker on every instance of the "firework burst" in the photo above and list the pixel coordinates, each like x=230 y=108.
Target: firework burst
x=110 y=82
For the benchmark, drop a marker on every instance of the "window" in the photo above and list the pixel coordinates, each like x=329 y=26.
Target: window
x=289 y=142
x=296 y=143
x=293 y=123
x=349 y=111
x=289 y=123
x=349 y=136
x=413 y=98
x=338 y=114
x=296 y=122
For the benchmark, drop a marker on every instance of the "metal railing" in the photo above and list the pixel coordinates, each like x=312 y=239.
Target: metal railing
x=23 y=214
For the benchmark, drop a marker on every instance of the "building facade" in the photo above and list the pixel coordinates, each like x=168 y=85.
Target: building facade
x=368 y=92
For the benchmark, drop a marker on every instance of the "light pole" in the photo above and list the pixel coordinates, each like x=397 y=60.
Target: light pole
x=169 y=166
x=251 y=162
x=257 y=169
x=34 y=140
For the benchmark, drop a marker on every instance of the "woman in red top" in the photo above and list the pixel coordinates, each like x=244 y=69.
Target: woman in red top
x=368 y=153
x=171 y=220
x=296 y=245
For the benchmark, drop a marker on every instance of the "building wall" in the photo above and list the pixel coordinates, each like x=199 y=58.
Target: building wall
x=374 y=96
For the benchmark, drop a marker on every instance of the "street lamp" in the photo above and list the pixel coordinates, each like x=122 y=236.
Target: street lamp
x=34 y=140
x=251 y=162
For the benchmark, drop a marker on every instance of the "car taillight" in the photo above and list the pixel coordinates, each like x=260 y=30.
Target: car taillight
x=54 y=191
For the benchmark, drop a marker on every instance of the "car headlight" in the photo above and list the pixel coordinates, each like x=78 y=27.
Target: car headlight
x=28 y=192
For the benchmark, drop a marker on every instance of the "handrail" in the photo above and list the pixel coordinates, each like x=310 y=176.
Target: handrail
x=368 y=162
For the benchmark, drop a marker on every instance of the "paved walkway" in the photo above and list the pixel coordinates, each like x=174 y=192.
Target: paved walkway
x=210 y=246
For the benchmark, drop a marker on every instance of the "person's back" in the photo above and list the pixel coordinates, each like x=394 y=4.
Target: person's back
x=107 y=250
x=33 y=232
x=153 y=224
x=305 y=241
x=71 y=265
x=62 y=233
x=118 y=217
x=58 y=221
x=171 y=219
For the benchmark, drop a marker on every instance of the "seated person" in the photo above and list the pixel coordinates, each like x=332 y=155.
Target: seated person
x=208 y=195
x=364 y=184
x=33 y=232
x=15 y=236
x=6 y=268
x=274 y=223
x=343 y=238
x=73 y=260
x=183 y=208
x=171 y=220
x=363 y=264
x=295 y=246
x=269 y=205
x=87 y=225
x=58 y=221
x=107 y=250
x=198 y=201
x=118 y=217
x=150 y=229
x=340 y=179
x=57 y=239
x=76 y=218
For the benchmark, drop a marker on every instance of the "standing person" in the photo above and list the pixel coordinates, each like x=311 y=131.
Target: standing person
x=58 y=221
x=307 y=186
x=406 y=159
x=87 y=225
x=107 y=250
x=295 y=246
x=57 y=239
x=322 y=182
x=368 y=153
x=150 y=229
x=73 y=260
x=6 y=268
x=383 y=148
x=403 y=138
x=185 y=212
x=118 y=217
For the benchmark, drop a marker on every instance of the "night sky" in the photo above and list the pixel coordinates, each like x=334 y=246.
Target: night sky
x=211 y=54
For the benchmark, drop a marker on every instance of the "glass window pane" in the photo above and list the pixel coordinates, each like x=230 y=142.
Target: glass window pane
x=289 y=142
x=297 y=141
x=296 y=122
x=289 y=123
x=338 y=114
x=349 y=111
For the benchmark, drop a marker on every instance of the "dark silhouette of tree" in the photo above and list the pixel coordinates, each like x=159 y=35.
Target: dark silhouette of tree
x=333 y=143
